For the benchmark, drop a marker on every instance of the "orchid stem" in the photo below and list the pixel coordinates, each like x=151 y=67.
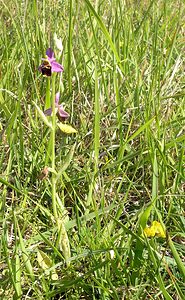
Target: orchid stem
x=47 y=105
x=53 y=149
x=47 y=101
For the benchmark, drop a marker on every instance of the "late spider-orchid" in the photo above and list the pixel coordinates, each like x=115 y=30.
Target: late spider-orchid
x=49 y=64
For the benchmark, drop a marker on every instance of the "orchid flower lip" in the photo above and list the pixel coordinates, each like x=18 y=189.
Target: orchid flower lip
x=46 y=69
x=46 y=61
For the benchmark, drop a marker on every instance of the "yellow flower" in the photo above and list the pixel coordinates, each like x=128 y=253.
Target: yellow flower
x=149 y=231
x=155 y=229
x=159 y=231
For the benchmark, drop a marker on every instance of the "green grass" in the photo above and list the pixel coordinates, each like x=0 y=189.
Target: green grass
x=123 y=85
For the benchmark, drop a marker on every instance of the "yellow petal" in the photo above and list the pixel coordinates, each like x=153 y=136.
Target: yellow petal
x=156 y=224
x=159 y=230
x=149 y=232
x=66 y=128
x=155 y=230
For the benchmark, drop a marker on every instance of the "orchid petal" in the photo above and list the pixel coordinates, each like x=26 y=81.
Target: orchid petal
x=48 y=112
x=62 y=113
x=57 y=96
x=50 y=53
x=56 y=67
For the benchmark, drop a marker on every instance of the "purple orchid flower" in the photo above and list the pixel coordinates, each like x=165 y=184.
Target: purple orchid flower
x=49 y=64
x=61 y=113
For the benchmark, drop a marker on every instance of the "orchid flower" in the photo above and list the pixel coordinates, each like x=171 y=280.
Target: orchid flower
x=49 y=64
x=60 y=112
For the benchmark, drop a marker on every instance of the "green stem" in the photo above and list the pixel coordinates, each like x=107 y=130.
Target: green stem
x=47 y=101
x=53 y=149
x=47 y=105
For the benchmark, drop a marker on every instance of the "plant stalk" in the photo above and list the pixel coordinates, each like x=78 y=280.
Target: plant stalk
x=53 y=150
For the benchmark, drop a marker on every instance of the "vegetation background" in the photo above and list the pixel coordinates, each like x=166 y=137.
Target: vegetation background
x=123 y=85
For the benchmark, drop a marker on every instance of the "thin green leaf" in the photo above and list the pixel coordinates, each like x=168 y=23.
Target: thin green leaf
x=25 y=255
x=42 y=115
x=67 y=162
